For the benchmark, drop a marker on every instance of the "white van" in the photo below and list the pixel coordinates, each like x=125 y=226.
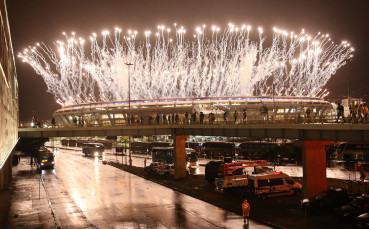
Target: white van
x=273 y=184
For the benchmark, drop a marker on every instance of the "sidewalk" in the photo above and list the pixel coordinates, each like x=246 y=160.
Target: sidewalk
x=25 y=205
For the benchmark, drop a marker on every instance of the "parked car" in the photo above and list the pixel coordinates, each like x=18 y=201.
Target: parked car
x=356 y=207
x=325 y=201
x=153 y=166
x=166 y=170
x=362 y=221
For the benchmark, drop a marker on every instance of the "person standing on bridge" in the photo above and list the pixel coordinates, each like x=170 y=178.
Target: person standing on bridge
x=244 y=113
x=340 y=112
x=246 y=211
x=235 y=116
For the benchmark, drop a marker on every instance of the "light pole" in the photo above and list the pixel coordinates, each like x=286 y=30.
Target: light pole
x=348 y=79
x=129 y=110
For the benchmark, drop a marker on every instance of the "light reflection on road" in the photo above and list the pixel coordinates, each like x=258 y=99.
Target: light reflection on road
x=113 y=198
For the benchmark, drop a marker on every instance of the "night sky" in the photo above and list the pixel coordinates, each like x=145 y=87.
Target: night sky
x=34 y=21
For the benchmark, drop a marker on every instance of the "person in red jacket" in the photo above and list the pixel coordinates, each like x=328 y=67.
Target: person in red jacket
x=246 y=211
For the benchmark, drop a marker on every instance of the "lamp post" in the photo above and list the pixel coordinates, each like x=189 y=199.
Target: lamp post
x=348 y=79
x=129 y=110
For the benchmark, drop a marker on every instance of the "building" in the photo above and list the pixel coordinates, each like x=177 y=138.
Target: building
x=9 y=100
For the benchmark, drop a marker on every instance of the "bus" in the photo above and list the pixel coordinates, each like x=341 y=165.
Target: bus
x=146 y=147
x=166 y=155
x=353 y=152
x=218 y=149
x=197 y=146
x=253 y=150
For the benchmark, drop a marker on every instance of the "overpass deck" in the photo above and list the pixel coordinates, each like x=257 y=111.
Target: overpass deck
x=331 y=132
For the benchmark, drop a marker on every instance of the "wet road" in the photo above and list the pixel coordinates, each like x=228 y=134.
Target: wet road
x=292 y=170
x=111 y=198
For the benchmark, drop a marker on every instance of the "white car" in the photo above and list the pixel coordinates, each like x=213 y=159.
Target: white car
x=165 y=170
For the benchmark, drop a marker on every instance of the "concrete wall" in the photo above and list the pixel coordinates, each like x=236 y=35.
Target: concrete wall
x=8 y=100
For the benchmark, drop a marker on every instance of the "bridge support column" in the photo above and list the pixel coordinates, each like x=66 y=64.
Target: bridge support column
x=314 y=167
x=180 y=156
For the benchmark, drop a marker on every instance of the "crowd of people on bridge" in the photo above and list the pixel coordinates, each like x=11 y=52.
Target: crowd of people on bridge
x=358 y=112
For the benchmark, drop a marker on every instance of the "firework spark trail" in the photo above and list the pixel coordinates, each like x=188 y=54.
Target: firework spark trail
x=227 y=63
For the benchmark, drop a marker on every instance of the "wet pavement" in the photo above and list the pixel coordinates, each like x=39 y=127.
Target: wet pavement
x=26 y=202
x=81 y=192
x=109 y=197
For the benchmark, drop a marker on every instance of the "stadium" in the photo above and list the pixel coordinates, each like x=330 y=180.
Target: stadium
x=287 y=109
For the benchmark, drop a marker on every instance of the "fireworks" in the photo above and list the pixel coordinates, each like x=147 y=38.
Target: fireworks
x=170 y=63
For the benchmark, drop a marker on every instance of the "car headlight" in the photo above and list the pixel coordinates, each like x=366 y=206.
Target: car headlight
x=42 y=163
x=304 y=201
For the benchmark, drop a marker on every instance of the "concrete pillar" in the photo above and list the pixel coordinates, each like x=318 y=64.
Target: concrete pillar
x=314 y=167
x=180 y=162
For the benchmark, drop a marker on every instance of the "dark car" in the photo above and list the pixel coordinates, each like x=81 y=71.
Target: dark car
x=325 y=201
x=362 y=221
x=356 y=207
x=93 y=149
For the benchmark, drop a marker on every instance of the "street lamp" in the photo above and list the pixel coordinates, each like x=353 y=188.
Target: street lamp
x=348 y=79
x=129 y=109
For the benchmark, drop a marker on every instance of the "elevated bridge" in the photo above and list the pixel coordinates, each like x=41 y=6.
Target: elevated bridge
x=328 y=132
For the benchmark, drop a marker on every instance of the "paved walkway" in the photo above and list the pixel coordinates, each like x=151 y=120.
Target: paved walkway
x=26 y=202
x=32 y=203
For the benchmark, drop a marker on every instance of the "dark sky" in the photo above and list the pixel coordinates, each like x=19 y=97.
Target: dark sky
x=33 y=21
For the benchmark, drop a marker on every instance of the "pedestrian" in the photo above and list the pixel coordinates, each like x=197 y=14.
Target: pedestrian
x=157 y=118
x=340 y=112
x=202 y=117
x=42 y=124
x=75 y=121
x=308 y=114
x=246 y=211
x=362 y=174
x=235 y=116
x=360 y=112
x=365 y=108
x=53 y=122
x=164 y=119
x=177 y=119
x=141 y=119
x=194 y=117
x=225 y=116
x=244 y=114
x=186 y=117
x=34 y=121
